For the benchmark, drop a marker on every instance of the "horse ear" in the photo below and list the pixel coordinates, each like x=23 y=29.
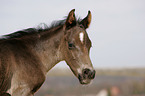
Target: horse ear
x=71 y=19
x=87 y=20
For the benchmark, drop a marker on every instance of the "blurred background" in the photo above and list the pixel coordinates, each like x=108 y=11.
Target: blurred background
x=117 y=32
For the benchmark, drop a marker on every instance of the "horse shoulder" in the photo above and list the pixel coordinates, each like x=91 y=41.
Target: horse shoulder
x=25 y=68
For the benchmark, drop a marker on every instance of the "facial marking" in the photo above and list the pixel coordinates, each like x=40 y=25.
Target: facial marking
x=81 y=36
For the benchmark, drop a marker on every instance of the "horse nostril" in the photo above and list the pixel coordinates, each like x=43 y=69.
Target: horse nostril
x=92 y=75
x=86 y=71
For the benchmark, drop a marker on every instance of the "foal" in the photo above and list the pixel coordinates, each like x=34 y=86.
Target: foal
x=26 y=56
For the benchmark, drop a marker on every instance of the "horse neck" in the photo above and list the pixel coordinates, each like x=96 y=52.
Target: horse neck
x=48 y=48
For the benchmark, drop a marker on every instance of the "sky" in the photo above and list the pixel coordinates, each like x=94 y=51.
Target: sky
x=117 y=30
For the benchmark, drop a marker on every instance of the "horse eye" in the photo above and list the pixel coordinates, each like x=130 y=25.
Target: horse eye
x=71 y=45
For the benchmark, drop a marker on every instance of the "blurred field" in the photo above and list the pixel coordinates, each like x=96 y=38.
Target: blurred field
x=61 y=82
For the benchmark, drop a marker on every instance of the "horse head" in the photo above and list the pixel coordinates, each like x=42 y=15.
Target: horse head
x=76 y=47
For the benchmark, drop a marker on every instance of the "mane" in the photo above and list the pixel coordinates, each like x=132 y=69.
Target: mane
x=30 y=31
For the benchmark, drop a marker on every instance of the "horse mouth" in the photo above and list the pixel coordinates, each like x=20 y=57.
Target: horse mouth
x=85 y=81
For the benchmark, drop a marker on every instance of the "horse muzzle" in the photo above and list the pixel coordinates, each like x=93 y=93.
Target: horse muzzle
x=86 y=76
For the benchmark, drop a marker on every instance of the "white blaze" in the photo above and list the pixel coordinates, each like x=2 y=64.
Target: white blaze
x=81 y=35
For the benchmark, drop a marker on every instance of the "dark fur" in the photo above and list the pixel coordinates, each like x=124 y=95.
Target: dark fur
x=11 y=43
x=19 y=53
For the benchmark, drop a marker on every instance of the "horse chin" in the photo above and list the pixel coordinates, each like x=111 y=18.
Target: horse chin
x=85 y=82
